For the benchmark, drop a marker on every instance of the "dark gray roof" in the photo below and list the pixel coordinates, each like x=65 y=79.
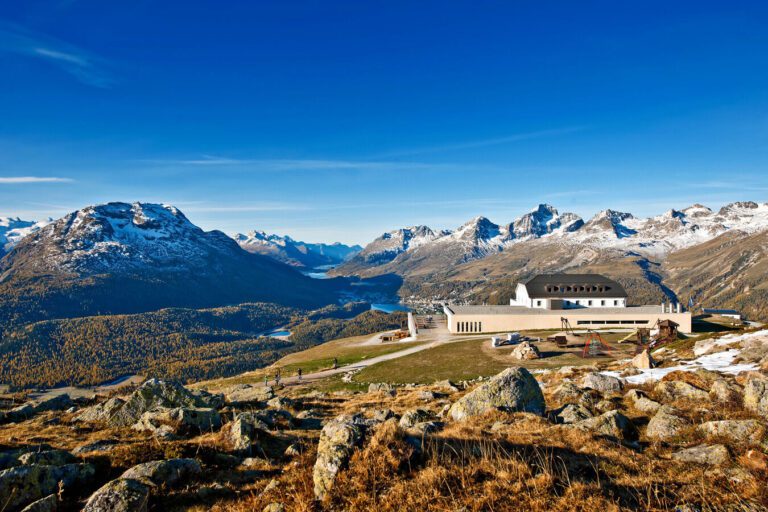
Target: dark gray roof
x=554 y=286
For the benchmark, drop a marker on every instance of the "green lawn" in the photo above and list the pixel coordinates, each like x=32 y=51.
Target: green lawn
x=466 y=360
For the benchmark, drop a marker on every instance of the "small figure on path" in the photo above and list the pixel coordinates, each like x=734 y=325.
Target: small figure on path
x=299 y=374
x=335 y=363
x=266 y=380
x=277 y=378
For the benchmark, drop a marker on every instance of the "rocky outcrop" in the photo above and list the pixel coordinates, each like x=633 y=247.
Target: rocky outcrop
x=121 y=495
x=338 y=439
x=102 y=411
x=602 y=383
x=382 y=387
x=513 y=390
x=32 y=408
x=22 y=485
x=158 y=394
x=612 y=424
x=525 y=351
x=725 y=391
x=665 y=425
x=714 y=455
x=242 y=432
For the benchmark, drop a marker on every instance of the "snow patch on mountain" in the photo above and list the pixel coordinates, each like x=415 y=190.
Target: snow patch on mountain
x=12 y=230
x=296 y=253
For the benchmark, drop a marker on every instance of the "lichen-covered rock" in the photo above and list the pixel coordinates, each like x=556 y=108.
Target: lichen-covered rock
x=677 y=390
x=665 y=425
x=713 y=455
x=602 y=383
x=567 y=391
x=163 y=472
x=736 y=431
x=121 y=495
x=241 y=433
x=47 y=458
x=414 y=416
x=572 y=413
x=612 y=423
x=279 y=402
x=525 y=351
x=22 y=485
x=513 y=390
x=337 y=441
x=446 y=385
x=159 y=394
x=756 y=396
x=48 y=504
x=245 y=393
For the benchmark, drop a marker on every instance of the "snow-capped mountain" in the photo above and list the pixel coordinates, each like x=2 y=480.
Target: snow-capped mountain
x=389 y=245
x=120 y=257
x=296 y=253
x=12 y=230
x=673 y=230
x=652 y=237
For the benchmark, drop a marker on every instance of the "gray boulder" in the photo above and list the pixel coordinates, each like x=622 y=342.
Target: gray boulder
x=338 y=440
x=572 y=413
x=159 y=394
x=22 y=485
x=736 y=431
x=567 y=391
x=602 y=383
x=713 y=455
x=513 y=390
x=525 y=351
x=612 y=424
x=164 y=472
x=241 y=433
x=665 y=425
x=48 y=458
x=121 y=495
x=48 y=504
x=756 y=396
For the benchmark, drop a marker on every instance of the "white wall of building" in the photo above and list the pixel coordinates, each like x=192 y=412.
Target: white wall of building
x=523 y=299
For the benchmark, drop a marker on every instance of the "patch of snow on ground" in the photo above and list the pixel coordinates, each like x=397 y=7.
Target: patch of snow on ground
x=721 y=362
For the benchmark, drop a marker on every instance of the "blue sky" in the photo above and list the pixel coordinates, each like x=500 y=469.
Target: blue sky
x=341 y=120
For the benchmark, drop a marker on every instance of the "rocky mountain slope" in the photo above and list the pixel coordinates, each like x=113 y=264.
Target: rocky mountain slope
x=124 y=258
x=481 y=259
x=296 y=253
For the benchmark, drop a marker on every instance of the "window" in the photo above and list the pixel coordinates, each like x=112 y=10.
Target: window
x=538 y=303
x=615 y=303
x=589 y=303
x=602 y=303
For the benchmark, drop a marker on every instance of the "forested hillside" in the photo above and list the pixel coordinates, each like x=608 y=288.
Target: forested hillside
x=185 y=344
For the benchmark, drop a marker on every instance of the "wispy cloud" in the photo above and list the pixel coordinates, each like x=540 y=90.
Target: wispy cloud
x=494 y=141
x=84 y=66
x=12 y=180
x=301 y=164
